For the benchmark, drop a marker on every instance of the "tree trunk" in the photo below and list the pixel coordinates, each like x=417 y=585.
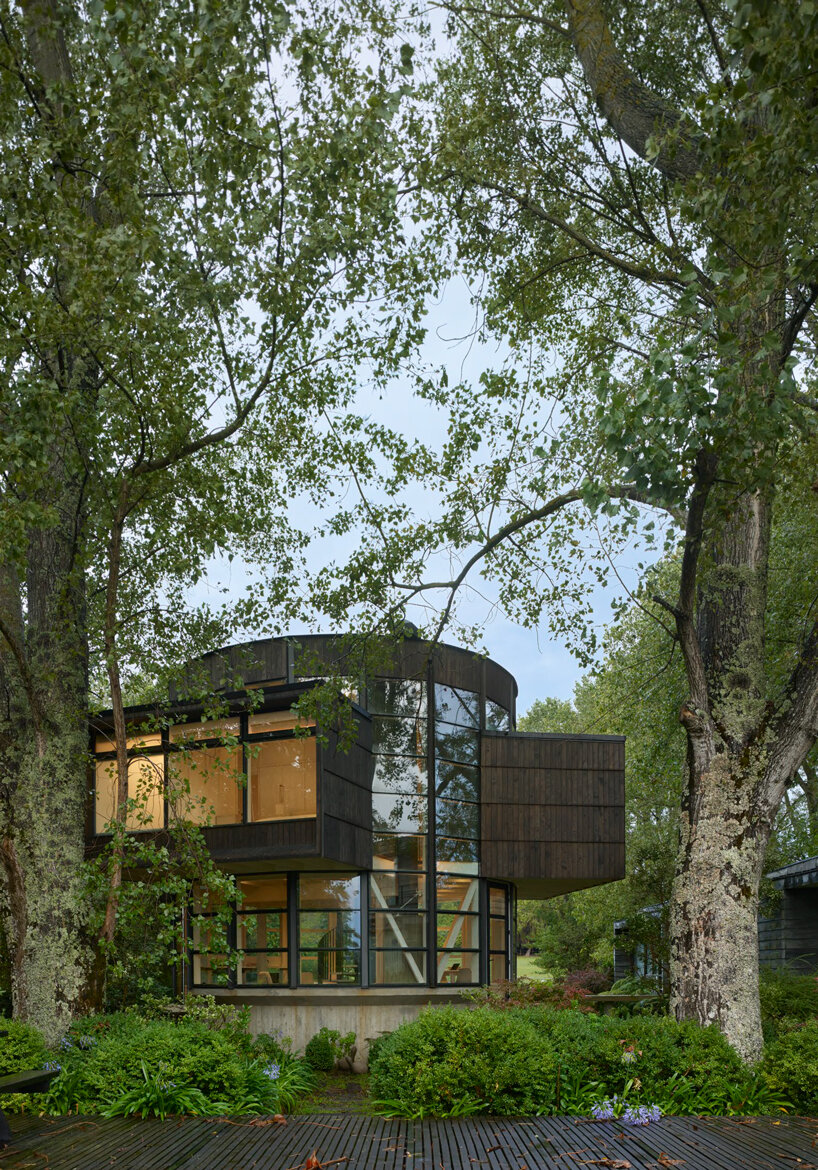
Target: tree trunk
x=43 y=770
x=714 y=909
x=730 y=798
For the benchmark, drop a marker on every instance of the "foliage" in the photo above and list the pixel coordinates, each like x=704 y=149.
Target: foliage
x=125 y=1064
x=787 y=999
x=158 y=1097
x=439 y=1063
x=450 y=1062
x=23 y=1048
x=514 y=993
x=220 y=185
x=586 y=979
x=327 y=1047
x=790 y=1066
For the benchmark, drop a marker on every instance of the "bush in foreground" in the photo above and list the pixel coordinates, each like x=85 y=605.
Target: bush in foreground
x=541 y=1060
x=450 y=1062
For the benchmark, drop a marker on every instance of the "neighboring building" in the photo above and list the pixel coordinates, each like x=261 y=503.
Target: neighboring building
x=380 y=879
x=790 y=936
x=787 y=938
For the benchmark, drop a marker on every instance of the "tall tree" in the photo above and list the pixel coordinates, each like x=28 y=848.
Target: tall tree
x=196 y=198
x=633 y=188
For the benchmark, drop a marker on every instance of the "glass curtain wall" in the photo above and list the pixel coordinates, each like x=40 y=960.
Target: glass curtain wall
x=397 y=920
x=457 y=834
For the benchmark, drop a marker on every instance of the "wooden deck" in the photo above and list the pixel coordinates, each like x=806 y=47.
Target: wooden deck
x=357 y=1142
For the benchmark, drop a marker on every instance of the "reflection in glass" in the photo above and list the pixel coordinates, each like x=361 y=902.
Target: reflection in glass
x=399 y=774
x=497 y=900
x=457 y=781
x=211 y=729
x=398 y=737
x=457 y=819
x=399 y=891
x=497 y=934
x=263 y=970
x=210 y=970
x=456 y=931
x=264 y=930
x=457 y=743
x=386 y=696
x=394 y=928
x=456 y=706
x=398 y=814
x=460 y=856
x=146 y=782
x=282 y=780
x=392 y=851
x=271 y=721
x=206 y=785
x=497 y=717
x=329 y=926
x=498 y=968
x=263 y=893
x=136 y=742
x=329 y=966
x=458 y=967
x=397 y=967
x=457 y=893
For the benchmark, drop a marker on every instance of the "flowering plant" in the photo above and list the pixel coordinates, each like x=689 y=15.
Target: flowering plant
x=618 y=1108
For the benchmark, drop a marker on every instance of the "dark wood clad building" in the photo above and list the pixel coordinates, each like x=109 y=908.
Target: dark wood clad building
x=385 y=871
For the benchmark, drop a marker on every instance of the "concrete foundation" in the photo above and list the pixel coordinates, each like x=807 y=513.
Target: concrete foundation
x=370 y=1012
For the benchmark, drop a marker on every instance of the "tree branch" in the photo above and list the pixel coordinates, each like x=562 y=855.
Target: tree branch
x=632 y=110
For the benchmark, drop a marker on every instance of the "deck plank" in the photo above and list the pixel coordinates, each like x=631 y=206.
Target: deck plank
x=373 y=1143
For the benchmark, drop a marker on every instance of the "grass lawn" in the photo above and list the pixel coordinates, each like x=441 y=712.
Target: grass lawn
x=527 y=965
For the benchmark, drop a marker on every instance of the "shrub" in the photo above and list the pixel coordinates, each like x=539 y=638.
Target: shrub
x=23 y=1048
x=790 y=1066
x=100 y=1069
x=587 y=979
x=517 y=993
x=327 y=1047
x=787 y=999
x=452 y=1061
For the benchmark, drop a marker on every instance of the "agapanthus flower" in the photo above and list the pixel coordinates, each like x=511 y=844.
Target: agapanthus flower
x=273 y=1071
x=641 y=1114
x=604 y=1110
x=52 y=1066
x=66 y=1044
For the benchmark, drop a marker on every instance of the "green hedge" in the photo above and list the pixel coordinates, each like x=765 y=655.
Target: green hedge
x=538 y=1060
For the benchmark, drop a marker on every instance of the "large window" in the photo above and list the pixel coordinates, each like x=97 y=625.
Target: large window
x=205 y=777
x=261 y=932
x=329 y=929
x=281 y=769
x=458 y=929
x=397 y=919
x=146 y=782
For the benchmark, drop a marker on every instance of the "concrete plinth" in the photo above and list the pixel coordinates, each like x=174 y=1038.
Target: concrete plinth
x=299 y=1014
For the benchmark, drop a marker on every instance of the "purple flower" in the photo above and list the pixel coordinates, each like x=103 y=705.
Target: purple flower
x=66 y=1044
x=273 y=1071
x=52 y=1066
x=604 y=1110
x=641 y=1114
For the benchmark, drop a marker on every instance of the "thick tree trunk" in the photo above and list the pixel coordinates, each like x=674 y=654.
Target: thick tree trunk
x=44 y=762
x=729 y=804
x=714 y=909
